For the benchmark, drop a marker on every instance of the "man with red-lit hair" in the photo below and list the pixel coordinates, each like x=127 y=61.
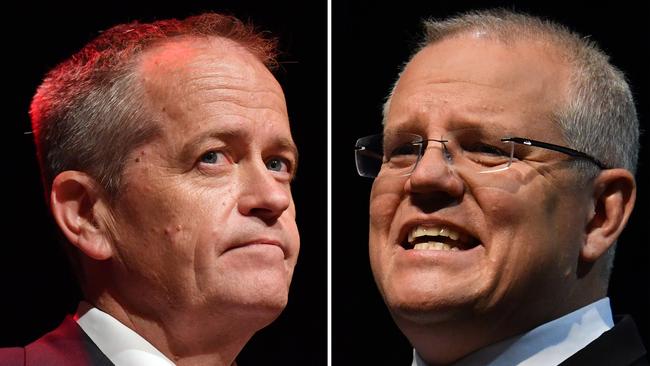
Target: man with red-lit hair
x=167 y=159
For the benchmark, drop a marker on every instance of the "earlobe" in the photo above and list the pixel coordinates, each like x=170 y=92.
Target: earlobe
x=75 y=201
x=614 y=196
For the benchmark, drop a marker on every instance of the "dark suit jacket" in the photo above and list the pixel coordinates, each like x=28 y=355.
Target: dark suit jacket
x=620 y=346
x=67 y=345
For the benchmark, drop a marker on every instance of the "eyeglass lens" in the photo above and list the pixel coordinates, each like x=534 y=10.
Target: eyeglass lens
x=398 y=154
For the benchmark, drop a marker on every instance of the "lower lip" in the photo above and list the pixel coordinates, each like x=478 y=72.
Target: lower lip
x=439 y=257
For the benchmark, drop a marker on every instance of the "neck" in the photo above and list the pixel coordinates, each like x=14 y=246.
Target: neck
x=178 y=335
x=443 y=341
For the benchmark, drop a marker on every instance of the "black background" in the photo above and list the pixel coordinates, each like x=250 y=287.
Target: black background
x=37 y=286
x=369 y=42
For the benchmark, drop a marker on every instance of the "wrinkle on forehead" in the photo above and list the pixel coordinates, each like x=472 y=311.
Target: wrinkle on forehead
x=191 y=63
x=521 y=68
x=440 y=93
x=468 y=78
x=212 y=90
x=180 y=75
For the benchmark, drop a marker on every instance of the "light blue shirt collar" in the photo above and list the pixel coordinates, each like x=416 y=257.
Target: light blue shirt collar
x=547 y=345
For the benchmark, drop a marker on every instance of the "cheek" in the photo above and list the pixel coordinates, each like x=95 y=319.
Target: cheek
x=514 y=226
x=154 y=239
x=172 y=222
x=383 y=207
x=293 y=236
x=499 y=208
x=384 y=202
x=529 y=234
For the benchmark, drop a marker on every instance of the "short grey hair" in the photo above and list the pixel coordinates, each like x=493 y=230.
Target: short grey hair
x=599 y=116
x=90 y=111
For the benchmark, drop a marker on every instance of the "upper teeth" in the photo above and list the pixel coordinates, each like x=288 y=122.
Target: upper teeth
x=421 y=230
x=434 y=246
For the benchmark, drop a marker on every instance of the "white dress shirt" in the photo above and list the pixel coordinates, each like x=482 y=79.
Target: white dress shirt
x=119 y=343
x=547 y=345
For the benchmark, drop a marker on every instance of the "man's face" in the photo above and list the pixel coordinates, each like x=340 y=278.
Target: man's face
x=519 y=229
x=205 y=221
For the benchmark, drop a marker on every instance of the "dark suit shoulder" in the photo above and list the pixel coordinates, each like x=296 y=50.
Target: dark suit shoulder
x=14 y=356
x=620 y=346
x=66 y=345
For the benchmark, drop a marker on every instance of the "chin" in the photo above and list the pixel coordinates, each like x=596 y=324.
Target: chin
x=426 y=312
x=264 y=294
x=263 y=310
x=426 y=302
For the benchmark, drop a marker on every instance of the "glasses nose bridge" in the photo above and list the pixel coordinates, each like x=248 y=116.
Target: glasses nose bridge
x=435 y=144
x=442 y=143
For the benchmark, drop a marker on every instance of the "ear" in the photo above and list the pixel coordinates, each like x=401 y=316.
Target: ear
x=614 y=196
x=77 y=202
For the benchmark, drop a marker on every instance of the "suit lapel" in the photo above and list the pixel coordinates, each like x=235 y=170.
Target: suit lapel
x=620 y=345
x=66 y=345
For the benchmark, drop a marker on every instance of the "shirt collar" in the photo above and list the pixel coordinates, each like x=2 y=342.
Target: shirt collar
x=119 y=343
x=548 y=344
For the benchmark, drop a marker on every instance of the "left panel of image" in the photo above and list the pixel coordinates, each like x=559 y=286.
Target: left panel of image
x=188 y=161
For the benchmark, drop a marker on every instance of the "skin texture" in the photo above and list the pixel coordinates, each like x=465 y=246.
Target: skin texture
x=533 y=221
x=198 y=251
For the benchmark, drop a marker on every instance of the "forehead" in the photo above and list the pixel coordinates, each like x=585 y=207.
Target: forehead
x=190 y=84
x=184 y=55
x=479 y=80
x=188 y=66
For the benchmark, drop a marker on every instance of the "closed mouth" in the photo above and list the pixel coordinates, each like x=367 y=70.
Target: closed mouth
x=257 y=242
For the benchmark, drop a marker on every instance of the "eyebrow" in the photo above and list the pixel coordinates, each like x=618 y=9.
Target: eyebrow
x=229 y=135
x=286 y=144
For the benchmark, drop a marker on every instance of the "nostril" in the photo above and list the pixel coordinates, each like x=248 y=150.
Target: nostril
x=268 y=216
x=433 y=201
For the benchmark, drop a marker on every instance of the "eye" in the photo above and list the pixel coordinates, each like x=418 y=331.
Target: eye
x=404 y=149
x=491 y=150
x=485 y=154
x=213 y=157
x=278 y=165
x=485 y=149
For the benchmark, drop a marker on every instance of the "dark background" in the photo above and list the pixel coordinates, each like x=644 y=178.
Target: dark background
x=37 y=286
x=369 y=42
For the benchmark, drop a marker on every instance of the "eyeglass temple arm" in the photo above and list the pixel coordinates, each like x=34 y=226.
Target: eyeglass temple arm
x=558 y=148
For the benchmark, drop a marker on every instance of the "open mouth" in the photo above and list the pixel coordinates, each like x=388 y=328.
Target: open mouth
x=438 y=237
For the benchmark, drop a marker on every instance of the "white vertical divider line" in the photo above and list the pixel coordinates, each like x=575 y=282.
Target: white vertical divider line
x=329 y=182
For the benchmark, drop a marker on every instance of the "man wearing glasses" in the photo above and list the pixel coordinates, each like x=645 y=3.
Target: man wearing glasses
x=503 y=177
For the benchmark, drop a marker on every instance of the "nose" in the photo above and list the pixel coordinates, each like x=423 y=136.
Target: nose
x=262 y=195
x=434 y=173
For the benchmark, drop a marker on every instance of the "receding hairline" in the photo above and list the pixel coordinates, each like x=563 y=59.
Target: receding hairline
x=515 y=28
x=192 y=47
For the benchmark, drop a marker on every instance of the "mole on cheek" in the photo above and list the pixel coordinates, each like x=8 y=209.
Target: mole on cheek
x=139 y=158
x=171 y=231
